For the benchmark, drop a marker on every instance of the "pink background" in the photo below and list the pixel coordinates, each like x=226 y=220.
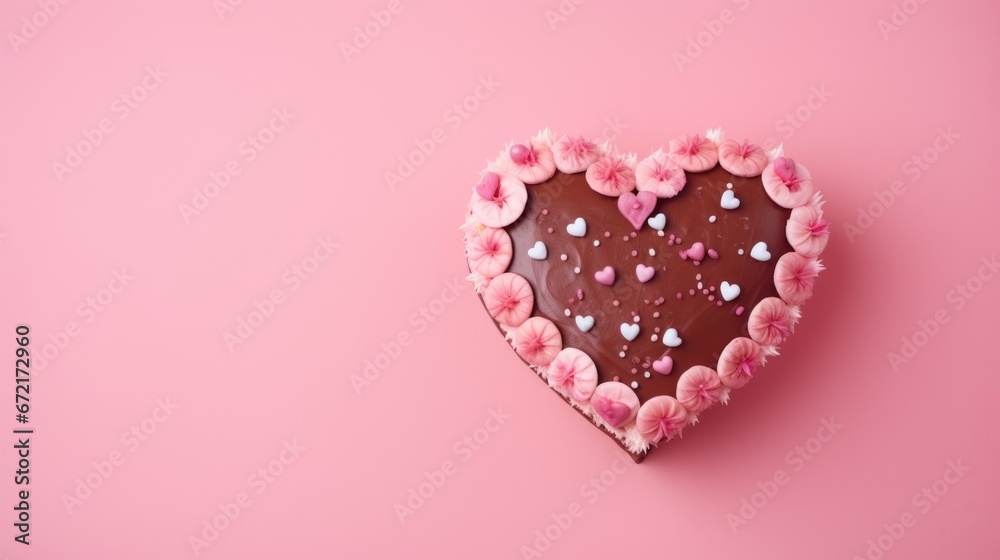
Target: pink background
x=323 y=174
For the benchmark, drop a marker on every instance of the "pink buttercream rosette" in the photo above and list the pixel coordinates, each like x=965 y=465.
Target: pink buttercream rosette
x=489 y=251
x=794 y=277
x=505 y=207
x=616 y=403
x=738 y=362
x=659 y=175
x=770 y=323
x=538 y=341
x=509 y=299
x=661 y=418
x=807 y=232
x=533 y=161
x=699 y=388
x=742 y=160
x=612 y=174
x=789 y=184
x=573 y=374
x=574 y=154
x=694 y=153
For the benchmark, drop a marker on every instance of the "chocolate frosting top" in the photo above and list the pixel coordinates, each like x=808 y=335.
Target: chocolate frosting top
x=704 y=327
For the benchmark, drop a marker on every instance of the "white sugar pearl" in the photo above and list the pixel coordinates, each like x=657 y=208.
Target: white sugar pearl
x=729 y=185
x=740 y=251
x=635 y=319
x=563 y=257
x=653 y=338
x=711 y=219
x=652 y=252
x=597 y=243
x=646 y=375
x=621 y=354
x=635 y=384
x=700 y=286
x=576 y=270
x=660 y=233
x=567 y=312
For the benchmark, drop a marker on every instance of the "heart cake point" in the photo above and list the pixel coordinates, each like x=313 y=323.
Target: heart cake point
x=724 y=238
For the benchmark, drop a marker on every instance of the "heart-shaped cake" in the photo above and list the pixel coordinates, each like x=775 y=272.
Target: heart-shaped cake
x=643 y=292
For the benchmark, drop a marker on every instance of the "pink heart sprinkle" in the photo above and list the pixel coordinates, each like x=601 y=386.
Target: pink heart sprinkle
x=488 y=187
x=695 y=253
x=664 y=365
x=645 y=273
x=636 y=208
x=612 y=411
x=606 y=276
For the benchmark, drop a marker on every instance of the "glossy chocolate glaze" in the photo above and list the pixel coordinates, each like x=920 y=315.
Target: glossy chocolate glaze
x=704 y=327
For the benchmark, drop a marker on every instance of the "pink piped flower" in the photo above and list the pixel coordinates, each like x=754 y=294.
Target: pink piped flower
x=615 y=402
x=694 y=153
x=573 y=155
x=506 y=205
x=573 y=374
x=699 y=388
x=612 y=174
x=770 y=323
x=661 y=418
x=742 y=160
x=794 y=277
x=659 y=175
x=538 y=341
x=533 y=161
x=807 y=232
x=738 y=362
x=509 y=299
x=789 y=184
x=489 y=251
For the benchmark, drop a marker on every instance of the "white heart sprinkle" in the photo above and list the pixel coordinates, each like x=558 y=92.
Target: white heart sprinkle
x=584 y=323
x=671 y=339
x=729 y=201
x=630 y=331
x=729 y=291
x=578 y=228
x=657 y=222
x=759 y=252
x=538 y=252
